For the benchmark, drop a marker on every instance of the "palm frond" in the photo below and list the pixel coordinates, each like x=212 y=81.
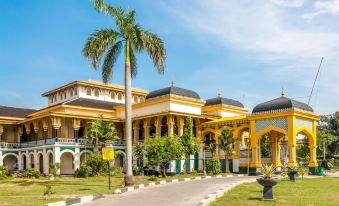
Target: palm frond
x=99 y=5
x=110 y=59
x=155 y=48
x=98 y=43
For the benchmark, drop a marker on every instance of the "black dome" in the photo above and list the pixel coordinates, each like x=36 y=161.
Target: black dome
x=225 y=101
x=281 y=103
x=173 y=90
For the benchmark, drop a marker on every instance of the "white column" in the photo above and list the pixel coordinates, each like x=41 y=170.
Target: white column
x=191 y=163
x=45 y=162
x=201 y=161
x=20 y=166
x=36 y=160
x=56 y=157
x=77 y=158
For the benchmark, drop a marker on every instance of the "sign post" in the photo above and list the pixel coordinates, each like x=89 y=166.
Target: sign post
x=108 y=154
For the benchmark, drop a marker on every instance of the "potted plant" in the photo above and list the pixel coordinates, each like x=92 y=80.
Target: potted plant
x=293 y=173
x=268 y=181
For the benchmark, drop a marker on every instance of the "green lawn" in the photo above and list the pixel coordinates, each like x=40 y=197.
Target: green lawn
x=29 y=192
x=311 y=192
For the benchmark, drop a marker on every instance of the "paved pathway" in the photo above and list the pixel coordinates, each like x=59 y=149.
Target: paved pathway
x=178 y=194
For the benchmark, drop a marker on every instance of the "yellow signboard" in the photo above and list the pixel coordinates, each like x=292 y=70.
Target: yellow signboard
x=108 y=153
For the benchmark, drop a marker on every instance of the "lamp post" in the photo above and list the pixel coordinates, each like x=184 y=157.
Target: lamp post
x=204 y=158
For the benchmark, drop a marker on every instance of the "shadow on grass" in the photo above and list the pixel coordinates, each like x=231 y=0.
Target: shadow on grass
x=255 y=198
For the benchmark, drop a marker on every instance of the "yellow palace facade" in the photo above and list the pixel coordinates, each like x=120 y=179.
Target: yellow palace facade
x=57 y=133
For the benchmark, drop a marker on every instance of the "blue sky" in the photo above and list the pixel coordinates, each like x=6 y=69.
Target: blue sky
x=246 y=49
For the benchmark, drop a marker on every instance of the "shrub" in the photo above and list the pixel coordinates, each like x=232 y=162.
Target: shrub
x=3 y=172
x=117 y=171
x=48 y=191
x=152 y=178
x=213 y=166
x=98 y=165
x=33 y=173
x=83 y=171
x=53 y=168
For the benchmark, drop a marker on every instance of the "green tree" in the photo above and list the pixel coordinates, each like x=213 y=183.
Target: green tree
x=328 y=134
x=189 y=141
x=139 y=152
x=265 y=145
x=101 y=131
x=161 y=150
x=128 y=37
x=226 y=145
x=211 y=148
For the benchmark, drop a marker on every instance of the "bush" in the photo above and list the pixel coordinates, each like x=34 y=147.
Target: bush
x=98 y=165
x=152 y=178
x=53 y=168
x=84 y=171
x=48 y=191
x=213 y=166
x=33 y=173
x=3 y=172
x=117 y=171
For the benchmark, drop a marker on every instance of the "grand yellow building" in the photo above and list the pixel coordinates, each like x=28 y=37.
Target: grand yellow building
x=57 y=133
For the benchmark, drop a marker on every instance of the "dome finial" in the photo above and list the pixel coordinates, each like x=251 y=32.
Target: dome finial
x=282 y=92
x=219 y=94
x=172 y=83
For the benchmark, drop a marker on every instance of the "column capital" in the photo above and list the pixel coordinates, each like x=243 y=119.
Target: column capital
x=1 y=129
x=146 y=122
x=44 y=122
x=76 y=124
x=36 y=126
x=56 y=122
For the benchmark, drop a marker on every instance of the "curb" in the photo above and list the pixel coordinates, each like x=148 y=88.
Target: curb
x=219 y=193
x=136 y=187
x=75 y=201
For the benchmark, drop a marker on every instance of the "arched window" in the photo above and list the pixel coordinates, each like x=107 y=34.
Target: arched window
x=65 y=94
x=142 y=99
x=112 y=95
x=89 y=91
x=71 y=92
x=75 y=91
x=55 y=98
x=50 y=99
x=136 y=99
x=96 y=92
x=60 y=95
x=119 y=96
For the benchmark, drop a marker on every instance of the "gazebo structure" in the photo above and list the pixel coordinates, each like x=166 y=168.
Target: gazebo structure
x=284 y=120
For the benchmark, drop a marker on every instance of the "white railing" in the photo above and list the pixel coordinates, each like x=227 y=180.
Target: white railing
x=9 y=145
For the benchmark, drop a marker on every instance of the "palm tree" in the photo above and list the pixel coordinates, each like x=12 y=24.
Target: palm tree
x=107 y=44
x=226 y=144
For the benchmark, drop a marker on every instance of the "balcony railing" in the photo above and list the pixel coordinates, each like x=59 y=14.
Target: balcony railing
x=60 y=141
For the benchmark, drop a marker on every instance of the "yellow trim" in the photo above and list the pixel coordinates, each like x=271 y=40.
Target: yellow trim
x=171 y=98
x=270 y=128
x=225 y=119
x=224 y=108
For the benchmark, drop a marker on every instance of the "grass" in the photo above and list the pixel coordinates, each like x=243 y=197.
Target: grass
x=18 y=191
x=311 y=192
x=29 y=192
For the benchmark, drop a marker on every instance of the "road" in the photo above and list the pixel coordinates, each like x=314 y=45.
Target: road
x=178 y=194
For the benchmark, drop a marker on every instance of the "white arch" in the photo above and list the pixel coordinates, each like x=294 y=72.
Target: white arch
x=65 y=167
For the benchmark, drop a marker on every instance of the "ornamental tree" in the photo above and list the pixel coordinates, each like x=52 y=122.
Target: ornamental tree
x=189 y=141
x=161 y=150
x=226 y=144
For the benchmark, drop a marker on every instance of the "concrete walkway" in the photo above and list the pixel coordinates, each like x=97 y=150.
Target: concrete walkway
x=178 y=194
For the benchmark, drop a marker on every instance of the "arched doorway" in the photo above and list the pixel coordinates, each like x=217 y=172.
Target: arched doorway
x=67 y=163
x=210 y=144
x=24 y=162
x=119 y=160
x=31 y=160
x=50 y=158
x=41 y=163
x=11 y=162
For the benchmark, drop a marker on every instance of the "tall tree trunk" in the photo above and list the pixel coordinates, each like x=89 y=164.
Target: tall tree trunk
x=163 y=170
x=128 y=117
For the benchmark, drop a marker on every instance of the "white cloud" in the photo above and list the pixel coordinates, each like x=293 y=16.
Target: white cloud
x=323 y=7
x=289 y=3
x=268 y=33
